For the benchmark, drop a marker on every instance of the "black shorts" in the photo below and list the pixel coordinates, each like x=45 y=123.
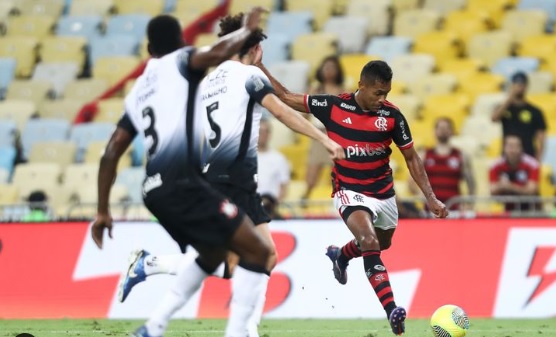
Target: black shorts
x=193 y=212
x=250 y=202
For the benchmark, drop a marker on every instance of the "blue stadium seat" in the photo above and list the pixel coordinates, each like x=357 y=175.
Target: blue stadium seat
x=137 y=150
x=508 y=66
x=550 y=153
x=131 y=25
x=169 y=5
x=113 y=45
x=8 y=132
x=83 y=134
x=132 y=178
x=79 y=25
x=290 y=24
x=276 y=49
x=43 y=130
x=549 y=6
x=389 y=47
x=7 y=74
x=7 y=158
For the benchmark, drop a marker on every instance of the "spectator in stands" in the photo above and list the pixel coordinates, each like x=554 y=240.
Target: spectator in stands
x=521 y=118
x=329 y=80
x=274 y=169
x=446 y=165
x=38 y=208
x=515 y=174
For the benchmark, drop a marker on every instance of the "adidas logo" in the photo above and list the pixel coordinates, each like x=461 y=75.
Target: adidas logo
x=347 y=120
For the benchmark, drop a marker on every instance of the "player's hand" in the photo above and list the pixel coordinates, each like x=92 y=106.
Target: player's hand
x=335 y=150
x=258 y=54
x=101 y=222
x=437 y=207
x=252 y=20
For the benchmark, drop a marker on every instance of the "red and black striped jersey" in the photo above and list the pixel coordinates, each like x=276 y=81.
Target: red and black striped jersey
x=445 y=172
x=366 y=137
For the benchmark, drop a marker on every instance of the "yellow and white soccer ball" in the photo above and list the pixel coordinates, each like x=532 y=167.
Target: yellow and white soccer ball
x=449 y=321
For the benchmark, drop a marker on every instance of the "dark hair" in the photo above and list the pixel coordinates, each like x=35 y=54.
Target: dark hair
x=229 y=24
x=520 y=77
x=376 y=71
x=444 y=119
x=165 y=35
x=340 y=71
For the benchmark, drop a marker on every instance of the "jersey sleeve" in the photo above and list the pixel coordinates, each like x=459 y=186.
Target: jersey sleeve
x=130 y=121
x=319 y=106
x=401 y=133
x=126 y=124
x=540 y=123
x=183 y=58
x=493 y=174
x=534 y=173
x=258 y=85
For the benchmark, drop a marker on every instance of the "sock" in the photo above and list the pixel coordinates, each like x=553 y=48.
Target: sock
x=190 y=276
x=247 y=287
x=349 y=251
x=162 y=264
x=255 y=319
x=378 y=277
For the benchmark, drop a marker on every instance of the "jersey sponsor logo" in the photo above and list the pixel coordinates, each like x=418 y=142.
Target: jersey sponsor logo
x=259 y=85
x=347 y=120
x=383 y=112
x=367 y=151
x=347 y=106
x=316 y=102
x=228 y=209
x=403 y=129
x=151 y=183
x=381 y=124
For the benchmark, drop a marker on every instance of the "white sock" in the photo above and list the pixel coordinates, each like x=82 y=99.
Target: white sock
x=162 y=264
x=255 y=319
x=247 y=287
x=189 y=279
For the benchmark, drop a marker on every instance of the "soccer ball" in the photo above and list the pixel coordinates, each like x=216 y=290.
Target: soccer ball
x=449 y=321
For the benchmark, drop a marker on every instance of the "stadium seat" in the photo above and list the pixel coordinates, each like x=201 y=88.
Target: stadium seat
x=43 y=130
x=195 y=7
x=85 y=90
x=52 y=8
x=6 y=8
x=542 y=47
x=65 y=108
x=550 y=153
x=455 y=106
x=444 y=7
x=466 y=24
x=76 y=175
x=8 y=194
x=276 y=48
x=494 y=8
x=410 y=67
x=59 y=152
x=37 y=26
x=546 y=102
x=95 y=150
x=132 y=178
x=352 y=29
x=23 y=49
x=91 y=7
x=131 y=25
x=59 y=74
x=408 y=104
x=87 y=26
x=8 y=132
x=481 y=83
x=548 y=6
x=205 y=39
x=17 y=111
x=433 y=84
x=352 y=65
x=484 y=104
x=7 y=159
x=64 y=49
x=112 y=45
x=84 y=134
x=38 y=176
x=314 y=47
x=508 y=66
x=482 y=128
x=290 y=24
x=443 y=45
x=281 y=134
x=490 y=47
x=468 y=144
x=29 y=90
x=378 y=14
x=237 y=6
x=7 y=73
x=321 y=9
x=292 y=74
x=404 y=5
x=149 y=7
x=297 y=157
x=138 y=150
x=524 y=23
x=547 y=188
x=112 y=69
x=462 y=67
x=388 y=47
x=540 y=82
x=110 y=110
x=412 y=23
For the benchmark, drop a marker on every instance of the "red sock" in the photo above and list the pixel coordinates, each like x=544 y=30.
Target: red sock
x=378 y=277
x=349 y=251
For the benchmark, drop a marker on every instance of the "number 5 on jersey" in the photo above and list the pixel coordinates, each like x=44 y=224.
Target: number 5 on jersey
x=215 y=135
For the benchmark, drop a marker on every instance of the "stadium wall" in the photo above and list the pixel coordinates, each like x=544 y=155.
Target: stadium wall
x=490 y=267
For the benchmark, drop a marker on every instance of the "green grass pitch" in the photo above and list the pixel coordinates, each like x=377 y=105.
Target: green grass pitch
x=274 y=328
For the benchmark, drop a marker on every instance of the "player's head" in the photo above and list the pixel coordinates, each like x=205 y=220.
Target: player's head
x=264 y=133
x=374 y=85
x=519 y=83
x=513 y=148
x=330 y=71
x=229 y=24
x=443 y=129
x=165 y=35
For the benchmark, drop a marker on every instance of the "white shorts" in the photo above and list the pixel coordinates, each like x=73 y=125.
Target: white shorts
x=384 y=212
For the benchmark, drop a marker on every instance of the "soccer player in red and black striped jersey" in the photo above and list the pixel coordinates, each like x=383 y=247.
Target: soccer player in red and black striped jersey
x=366 y=124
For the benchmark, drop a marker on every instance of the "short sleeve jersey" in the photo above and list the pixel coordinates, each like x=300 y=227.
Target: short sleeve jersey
x=230 y=100
x=524 y=121
x=527 y=170
x=366 y=137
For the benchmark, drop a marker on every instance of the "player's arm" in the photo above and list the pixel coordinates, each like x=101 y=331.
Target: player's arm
x=411 y=184
x=293 y=100
x=468 y=175
x=227 y=45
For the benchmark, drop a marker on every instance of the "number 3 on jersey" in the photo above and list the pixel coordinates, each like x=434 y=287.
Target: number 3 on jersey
x=215 y=135
x=150 y=131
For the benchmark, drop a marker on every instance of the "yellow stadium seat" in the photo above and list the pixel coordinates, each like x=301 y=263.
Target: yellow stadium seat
x=481 y=83
x=321 y=9
x=18 y=111
x=85 y=90
x=95 y=150
x=110 y=110
x=63 y=49
x=490 y=47
x=443 y=45
x=33 y=91
x=37 y=176
x=352 y=65
x=296 y=189
x=398 y=87
x=551 y=127
x=540 y=82
x=545 y=102
x=404 y=5
x=524 y=23
x=38 y=26
x=455 y=106
x=76 y=175
x=128 y=86
x=339 y=7
x=481 y=128
x=408 y=104
x=546 y=186
x=314 y=47
x=195 y=7
x=410 y=67
x=297 y=157
x=378 y=12
x=462 y=67
x=444 y=7
x=413 y=23
x=205 y=39
x=51 y=8
x=440 y=83
x=65 y=108
x=91 y=7
x=467 y=23
x=186 y=18
x=494 y=8
x=541 y=46
x=6 y=8
x=485 y=104
x=237 y=6
x=112 y=69
x=149 y=7
x=62 y=153
x=23 y=49
x=494 y=149
x=422 y=132
x=8 y=194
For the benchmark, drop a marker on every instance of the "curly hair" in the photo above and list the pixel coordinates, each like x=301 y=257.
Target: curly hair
x=339 y=80
x=229 y=24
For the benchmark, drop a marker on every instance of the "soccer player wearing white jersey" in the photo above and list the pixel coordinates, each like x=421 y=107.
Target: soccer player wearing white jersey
x=161 y=105
x=232 y=98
